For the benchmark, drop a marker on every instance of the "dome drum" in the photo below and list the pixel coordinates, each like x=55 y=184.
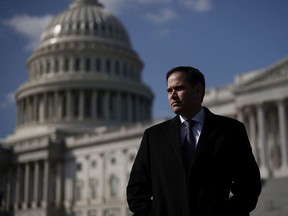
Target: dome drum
x=84 y=73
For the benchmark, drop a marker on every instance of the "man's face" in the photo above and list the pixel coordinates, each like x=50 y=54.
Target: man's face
x=184 y=99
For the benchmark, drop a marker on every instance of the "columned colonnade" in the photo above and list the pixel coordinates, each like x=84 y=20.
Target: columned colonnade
x=33 y=185
x=83 y=104
x=267 y=128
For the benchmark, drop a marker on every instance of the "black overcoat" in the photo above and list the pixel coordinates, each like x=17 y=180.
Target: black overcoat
x=223 y=180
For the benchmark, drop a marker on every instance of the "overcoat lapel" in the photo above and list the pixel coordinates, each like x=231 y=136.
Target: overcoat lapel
x=173 y=134
x=207 y=137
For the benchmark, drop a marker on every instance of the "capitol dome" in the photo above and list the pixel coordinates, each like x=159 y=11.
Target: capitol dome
x=83 y=74
x=89 y=19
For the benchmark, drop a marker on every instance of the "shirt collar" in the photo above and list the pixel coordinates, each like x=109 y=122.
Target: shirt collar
x=199 y=117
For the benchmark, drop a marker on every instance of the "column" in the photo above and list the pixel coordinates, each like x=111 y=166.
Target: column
x=17 y=188
x=129 y=108
x=262 y=141
x=45 y=184
x=57 y=108
x=59 y=185
x=36 y=185
x=86 y=194
x=240 y=114
x=119 y=105
x=252 y=132
x=8 y=188
x=81 y=104
x=136 y=107
x=282 y=115
x=106 y=106
x=68 y=184
x=35 y=98
x=26 y=186
x=44 y=107
x=68 y=105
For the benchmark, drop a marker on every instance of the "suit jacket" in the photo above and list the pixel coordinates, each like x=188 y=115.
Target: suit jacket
x=223 y=179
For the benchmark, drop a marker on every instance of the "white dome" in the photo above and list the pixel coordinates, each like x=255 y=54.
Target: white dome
x=85 y=18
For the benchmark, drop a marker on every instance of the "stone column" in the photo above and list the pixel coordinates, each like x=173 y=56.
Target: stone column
x=68 y=105
x=68 y=184
x=106 y=106
x=262 y=140
x=86 y=170
x=35 y=98
x=252 y=133
x=8 y=188
x=59 y=185
x=282 y=115
x=240 y=114
x=26 y=186
x=45 y=184
x=57 y=107
x=44 y=107
x=17 y=187
x=119 y=107
x=36 y=185
x=129 y=107
x=81 y=104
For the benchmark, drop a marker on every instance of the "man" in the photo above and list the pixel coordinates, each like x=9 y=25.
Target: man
x=216 y=175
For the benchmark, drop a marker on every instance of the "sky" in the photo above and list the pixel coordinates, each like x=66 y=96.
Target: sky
x=219 y=37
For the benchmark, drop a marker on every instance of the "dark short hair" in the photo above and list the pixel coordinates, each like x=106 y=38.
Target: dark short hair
x=192 y=76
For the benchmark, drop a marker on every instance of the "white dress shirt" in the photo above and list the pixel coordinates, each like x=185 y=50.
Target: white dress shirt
x=197 y=127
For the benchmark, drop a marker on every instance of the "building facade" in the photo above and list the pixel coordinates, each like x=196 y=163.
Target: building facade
x=260 y=100
x=80 y=118
x=82 y=112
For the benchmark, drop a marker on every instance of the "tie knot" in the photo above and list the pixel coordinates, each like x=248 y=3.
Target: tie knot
x=189 y=123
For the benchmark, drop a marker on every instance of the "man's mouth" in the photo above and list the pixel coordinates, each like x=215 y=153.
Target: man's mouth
x=175 y=104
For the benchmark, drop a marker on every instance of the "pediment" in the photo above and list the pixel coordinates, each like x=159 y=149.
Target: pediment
x=273 y=75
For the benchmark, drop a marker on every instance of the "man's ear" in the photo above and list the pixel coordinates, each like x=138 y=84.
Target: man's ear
x=199 y=90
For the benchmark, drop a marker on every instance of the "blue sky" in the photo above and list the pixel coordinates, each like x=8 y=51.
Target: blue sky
x=222 y=38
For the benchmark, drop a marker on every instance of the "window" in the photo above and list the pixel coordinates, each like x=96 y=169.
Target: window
x=79 y=167
x=76 y=100
x=66 y=64
x=87 y=104
x=93 y=163
x=117 y=68
x=100 y=102
x=87 y=64
x=56 y=65
x=93 y=189
x=77 y=64
x=108 y=66
x=98 y=65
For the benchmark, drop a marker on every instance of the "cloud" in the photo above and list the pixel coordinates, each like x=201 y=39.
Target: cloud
x=165 y=15
x=116 y=6
x=197 y=5
x=30 y=27
x=9 y=99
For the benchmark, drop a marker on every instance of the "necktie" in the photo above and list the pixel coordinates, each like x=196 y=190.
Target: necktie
x=189 y=144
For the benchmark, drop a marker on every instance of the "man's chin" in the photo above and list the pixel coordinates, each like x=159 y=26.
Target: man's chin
x=177 y=110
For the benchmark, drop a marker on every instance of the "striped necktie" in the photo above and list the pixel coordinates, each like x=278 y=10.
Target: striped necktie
x=189 y=144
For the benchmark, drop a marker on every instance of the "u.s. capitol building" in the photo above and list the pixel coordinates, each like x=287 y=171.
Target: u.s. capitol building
x=84 y=107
